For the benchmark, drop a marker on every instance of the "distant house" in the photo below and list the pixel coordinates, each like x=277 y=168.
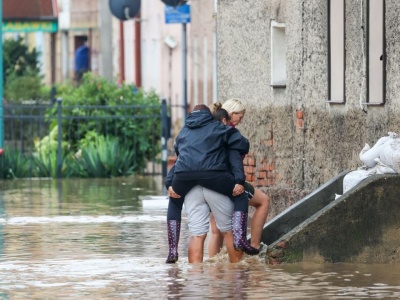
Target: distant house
x=319 y=78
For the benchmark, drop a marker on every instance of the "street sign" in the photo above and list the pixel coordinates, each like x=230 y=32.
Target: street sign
x=30 y=26
x=179 y=14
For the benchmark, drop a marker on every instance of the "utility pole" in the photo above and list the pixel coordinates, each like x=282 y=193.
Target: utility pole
x=184 y=69
x=1 y=80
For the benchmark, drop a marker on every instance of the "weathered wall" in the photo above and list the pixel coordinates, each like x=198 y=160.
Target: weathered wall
x=202 y=53
x=293 y=155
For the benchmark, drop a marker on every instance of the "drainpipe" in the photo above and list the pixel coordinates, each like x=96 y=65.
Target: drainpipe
x=138 y=60
x=121 y=52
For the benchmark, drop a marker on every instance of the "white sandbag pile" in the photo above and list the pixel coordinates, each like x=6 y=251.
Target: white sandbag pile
x=382 y=158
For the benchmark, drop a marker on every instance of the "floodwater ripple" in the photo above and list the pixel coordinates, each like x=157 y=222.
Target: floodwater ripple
x=97 y=239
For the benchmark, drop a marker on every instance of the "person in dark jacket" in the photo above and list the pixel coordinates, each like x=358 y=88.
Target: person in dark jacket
x=208 y=154
x=82 y=57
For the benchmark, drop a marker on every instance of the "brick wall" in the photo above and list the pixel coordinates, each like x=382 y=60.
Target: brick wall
x=260 y=169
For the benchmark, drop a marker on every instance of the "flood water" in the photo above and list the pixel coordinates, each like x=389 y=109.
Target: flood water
x=99 y=239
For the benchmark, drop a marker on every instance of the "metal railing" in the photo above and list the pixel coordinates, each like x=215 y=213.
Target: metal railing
x=26 y=124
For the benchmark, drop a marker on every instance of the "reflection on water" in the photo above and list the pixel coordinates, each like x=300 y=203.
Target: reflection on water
x=95 y=239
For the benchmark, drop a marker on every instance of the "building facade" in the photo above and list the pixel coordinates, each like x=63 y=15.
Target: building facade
x=319 y=79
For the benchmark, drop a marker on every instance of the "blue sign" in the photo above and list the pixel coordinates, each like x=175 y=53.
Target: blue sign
x=179 y=14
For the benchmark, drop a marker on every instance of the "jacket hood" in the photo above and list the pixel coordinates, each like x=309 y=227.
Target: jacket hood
x=199 y=118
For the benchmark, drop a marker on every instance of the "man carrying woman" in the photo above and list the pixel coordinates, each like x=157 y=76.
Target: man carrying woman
x=208 y=154
x=257 y=199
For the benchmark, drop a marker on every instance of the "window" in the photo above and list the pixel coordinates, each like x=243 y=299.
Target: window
x=336 y=51
x=278 y=54
x=376 y=60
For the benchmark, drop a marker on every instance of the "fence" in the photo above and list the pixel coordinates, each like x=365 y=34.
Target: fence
x=141 y=129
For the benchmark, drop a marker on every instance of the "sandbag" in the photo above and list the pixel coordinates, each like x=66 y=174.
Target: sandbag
x=368 y=156
x=382 y=168
x=390 y=154
x=353 y=178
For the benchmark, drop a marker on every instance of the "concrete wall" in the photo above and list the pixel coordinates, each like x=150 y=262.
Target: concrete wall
x=202 y=53
x=361 y=226
x=292 y=154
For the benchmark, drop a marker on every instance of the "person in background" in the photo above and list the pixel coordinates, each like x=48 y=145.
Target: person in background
x=82 y=56
x=205 y=150
x=257 y=199
x=198 y=203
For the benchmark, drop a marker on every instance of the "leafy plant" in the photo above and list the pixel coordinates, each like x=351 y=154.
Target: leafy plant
x=14 y=164
x=45 y=165
x=104 y=157
x=49 y=144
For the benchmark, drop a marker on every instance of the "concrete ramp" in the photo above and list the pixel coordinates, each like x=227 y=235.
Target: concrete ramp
x=361 y=226
x=302 y=210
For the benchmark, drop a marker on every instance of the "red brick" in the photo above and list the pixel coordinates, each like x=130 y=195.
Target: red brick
x=299 y=123
x=252 y=161
x=250 y=177
x=249 y=170
x=261 y=182
x=262 y=175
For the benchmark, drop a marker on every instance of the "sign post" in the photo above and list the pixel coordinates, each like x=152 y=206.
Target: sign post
x=181 y=15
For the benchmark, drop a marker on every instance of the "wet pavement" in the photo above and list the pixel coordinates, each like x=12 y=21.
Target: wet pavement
x=104 y=239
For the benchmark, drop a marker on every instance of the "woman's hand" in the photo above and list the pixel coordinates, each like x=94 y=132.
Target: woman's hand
x=238 y=189
x=172 y=194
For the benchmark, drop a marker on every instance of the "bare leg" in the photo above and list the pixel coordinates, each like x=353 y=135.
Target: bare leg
x=261 y=203
x=196 y=249
x=216 y=239
x=234 y=256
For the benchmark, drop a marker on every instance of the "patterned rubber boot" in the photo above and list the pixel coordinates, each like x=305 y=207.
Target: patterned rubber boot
x=239 y=226
x=174 y=229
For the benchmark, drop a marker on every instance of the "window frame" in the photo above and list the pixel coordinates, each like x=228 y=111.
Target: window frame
x=368 y=63
x=274 y=84
x=330 y=100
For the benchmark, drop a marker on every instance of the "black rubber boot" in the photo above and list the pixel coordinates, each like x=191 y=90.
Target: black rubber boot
x=239 y=227
x=174 y=229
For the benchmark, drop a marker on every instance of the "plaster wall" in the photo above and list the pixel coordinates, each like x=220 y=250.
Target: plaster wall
x=202 y=51
x=328 y=137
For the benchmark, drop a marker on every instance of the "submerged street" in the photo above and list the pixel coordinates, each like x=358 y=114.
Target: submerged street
x=98 y=239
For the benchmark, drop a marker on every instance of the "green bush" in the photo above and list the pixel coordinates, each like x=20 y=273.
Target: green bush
x=120 y=130
x=122 y=112
x=25 y=87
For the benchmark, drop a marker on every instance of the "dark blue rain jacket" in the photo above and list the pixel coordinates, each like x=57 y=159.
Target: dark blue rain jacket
x=205 y=144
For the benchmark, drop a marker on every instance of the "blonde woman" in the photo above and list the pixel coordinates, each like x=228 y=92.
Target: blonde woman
x=257 y=198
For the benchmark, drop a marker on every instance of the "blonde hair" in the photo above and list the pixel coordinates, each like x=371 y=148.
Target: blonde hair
x=234 y=106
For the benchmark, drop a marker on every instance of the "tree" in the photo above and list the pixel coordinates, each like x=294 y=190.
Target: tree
x=22 y=79
x=18 y=59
